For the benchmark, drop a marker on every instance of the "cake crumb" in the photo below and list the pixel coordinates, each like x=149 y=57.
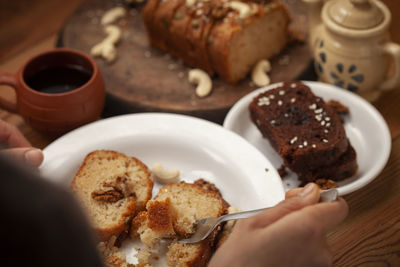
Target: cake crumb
x=338 y=107
x=111 y=255
x=282 y=171
x=325 y=184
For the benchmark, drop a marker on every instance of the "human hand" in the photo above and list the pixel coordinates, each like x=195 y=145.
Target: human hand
x=293 y=233
x=17 y=145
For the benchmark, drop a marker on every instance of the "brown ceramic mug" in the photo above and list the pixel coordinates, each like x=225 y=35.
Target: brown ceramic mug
x=56 y=91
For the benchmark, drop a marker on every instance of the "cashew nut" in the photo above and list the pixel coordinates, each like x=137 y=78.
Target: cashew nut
x=243 y=9
x=114 y=33
x=254 y=8
x=259 y=73
x=233 y=209
x=190 y=3
x=113 y=15
x=106 y=48
x=164 y=176
x=203 y=81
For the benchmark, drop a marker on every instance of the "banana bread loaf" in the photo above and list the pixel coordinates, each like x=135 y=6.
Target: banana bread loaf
x=219 y=36
x=307 y=133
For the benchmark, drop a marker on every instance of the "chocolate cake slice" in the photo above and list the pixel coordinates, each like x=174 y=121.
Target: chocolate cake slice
x=341 y=169
x=307 y=133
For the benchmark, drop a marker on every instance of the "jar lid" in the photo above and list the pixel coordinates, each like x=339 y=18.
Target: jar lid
x=356 y=14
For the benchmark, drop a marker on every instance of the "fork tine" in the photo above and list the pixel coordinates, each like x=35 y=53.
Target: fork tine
x=203 y=229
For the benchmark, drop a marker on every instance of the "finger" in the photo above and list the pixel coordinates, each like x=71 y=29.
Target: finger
x=293 y=192
x=318 y=219
x=29 y=155
x=329 y=215
x=307 y=196
x=11 y=136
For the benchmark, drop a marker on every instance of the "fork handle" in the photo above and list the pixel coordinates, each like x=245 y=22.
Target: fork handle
x=329 y=195
x=240 y=215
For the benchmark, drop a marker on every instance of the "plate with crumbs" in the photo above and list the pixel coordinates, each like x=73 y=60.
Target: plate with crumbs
x=196 y=147
x=364 y=125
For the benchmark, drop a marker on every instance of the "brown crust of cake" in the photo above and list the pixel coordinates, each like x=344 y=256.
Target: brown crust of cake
x=307 y=133
x=207 y=185
x=178 y=40
x=338 y=107
x=161 y=18
x=147 y=17
x=160 y=215
x=211 y=187
x=137 y=221
x=149 y=188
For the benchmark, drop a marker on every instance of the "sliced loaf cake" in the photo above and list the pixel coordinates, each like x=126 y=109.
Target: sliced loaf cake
x=112 y=187
x=223 y=37
x=173 y=214
x=307 y=133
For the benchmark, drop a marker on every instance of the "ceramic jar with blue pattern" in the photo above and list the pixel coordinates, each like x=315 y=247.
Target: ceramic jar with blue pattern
x=355 y=53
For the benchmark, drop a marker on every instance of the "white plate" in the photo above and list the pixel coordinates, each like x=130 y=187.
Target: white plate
x=364 y=126
x=196 y=147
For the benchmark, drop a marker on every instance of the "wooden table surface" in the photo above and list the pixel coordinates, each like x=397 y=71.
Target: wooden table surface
x=370 y=235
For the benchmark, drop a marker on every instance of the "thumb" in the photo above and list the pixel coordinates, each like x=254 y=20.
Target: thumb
x=308 y=195
x=29 y=155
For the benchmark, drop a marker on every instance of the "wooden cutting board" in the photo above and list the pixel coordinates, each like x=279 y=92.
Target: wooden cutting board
x=144 y=79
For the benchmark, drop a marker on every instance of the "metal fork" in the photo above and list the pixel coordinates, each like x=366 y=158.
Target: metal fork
x=207 y=225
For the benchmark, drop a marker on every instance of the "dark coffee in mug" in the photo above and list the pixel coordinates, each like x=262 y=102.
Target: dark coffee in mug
x=59 y=79
x=57 y=90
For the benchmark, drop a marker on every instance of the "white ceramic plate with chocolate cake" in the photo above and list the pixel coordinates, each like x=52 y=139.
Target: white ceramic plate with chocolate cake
x=364 y=126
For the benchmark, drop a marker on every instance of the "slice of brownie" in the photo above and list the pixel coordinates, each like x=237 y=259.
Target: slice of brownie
x=343 y=168
x=307 y=133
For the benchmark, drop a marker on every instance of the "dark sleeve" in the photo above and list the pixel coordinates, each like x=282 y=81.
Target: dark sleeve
x=41 y=224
